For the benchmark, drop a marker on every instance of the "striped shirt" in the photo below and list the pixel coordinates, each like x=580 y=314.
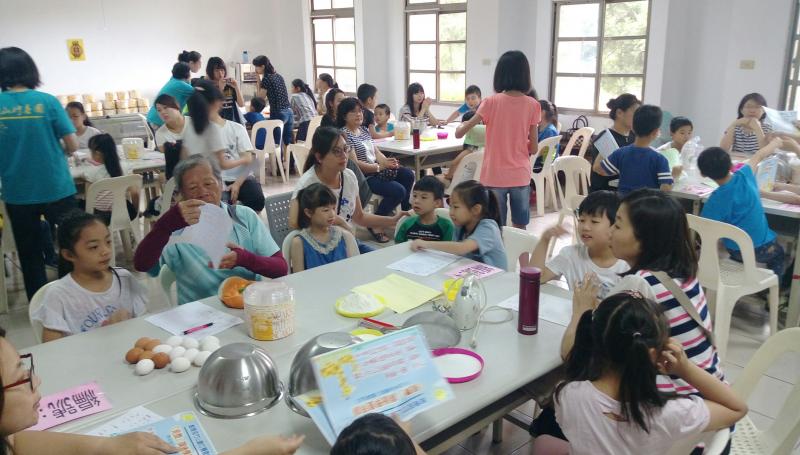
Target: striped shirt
x=746 y=141
x=682 y=327
x=638 y=167
x=302 y=107
x=361 y=143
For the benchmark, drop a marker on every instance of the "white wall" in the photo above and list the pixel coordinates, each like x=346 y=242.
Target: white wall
x=133 y=45
x=693 y=63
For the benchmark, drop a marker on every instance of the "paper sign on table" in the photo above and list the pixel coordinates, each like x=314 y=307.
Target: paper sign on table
x=184 y=432
x=399 y=293
x=194 y=314
x=478 y=269
x=697 y=190
x=125 y=423
x=393 y=374
x=66 y=406
x=210 y=234
x=551 y=308
x=423 y=263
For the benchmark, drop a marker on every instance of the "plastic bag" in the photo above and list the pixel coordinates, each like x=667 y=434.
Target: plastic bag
x=689 y=153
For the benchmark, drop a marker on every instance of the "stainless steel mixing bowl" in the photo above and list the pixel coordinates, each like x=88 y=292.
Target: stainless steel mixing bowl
x=238 y=380
x=440 y=329
x=301 y=376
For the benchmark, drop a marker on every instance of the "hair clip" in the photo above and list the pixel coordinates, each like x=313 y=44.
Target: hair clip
x=634 y=294
x=636 y=334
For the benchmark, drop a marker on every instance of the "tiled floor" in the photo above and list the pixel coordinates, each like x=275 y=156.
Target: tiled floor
x=745 y=339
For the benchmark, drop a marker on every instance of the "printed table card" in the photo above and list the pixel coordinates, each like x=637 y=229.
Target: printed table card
x=69 y=405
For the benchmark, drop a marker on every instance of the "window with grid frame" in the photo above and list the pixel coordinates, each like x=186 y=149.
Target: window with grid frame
x=333 y=36
x=436 y=50
x=599 y=52
x=790 y=100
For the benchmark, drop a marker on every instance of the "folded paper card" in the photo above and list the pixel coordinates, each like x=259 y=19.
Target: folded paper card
x=71 y=404
x=399 y=293
x=479 y=270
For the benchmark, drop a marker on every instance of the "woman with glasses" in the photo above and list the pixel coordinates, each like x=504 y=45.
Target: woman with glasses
x=327 y=164
x=252 y=250
x=385 y=176
x=19 y=410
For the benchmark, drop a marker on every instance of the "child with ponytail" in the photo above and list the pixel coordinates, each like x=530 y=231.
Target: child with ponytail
x=304 y=107
x=610 y=402
x=476 y=215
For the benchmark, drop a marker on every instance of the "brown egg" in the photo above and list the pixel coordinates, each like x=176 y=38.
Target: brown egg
x=133 y=355
x=161 y=360
x=141 y=342
x=151 y=344
x=147 y=355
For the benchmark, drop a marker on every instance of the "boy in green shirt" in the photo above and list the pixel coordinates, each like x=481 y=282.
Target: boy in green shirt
x=427 y=195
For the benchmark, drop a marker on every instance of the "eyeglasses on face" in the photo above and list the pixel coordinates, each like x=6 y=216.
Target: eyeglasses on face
x=25 y=358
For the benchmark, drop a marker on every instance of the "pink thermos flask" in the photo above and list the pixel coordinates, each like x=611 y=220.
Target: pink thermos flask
x=529 y=278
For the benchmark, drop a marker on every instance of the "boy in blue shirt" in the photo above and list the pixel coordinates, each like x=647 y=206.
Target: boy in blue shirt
x=472 y=99
x=737 y=202
x=257 y=105
x=638 y=165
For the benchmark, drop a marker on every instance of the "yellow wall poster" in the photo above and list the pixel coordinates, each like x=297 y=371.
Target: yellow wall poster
x=76 y=50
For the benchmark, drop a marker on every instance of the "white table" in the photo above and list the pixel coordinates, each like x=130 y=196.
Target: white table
x=770 y=208
x=512 y=360
x=430 y=153
x=135 y=166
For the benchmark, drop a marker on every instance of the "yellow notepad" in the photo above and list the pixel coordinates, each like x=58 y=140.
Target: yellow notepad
x=399 y=293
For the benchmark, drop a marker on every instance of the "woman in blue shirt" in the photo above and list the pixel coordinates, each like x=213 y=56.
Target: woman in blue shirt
x=177 y=87
x=31 y=125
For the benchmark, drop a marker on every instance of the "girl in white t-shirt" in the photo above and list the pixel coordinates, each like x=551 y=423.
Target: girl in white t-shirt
x=593 y=255
x=84 y=129
x=610 y=403
x=91 y=293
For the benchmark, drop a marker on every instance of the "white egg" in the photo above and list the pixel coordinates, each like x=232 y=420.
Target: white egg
x=180 y=365
x=174 y=341
x=177 y=352
x=144 y=367
x=190 y=343
x=165 y=348
x=210 y=347
x=201 y=358
x=190 y=354
x=210 y=339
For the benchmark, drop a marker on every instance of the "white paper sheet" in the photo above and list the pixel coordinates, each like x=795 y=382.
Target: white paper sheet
x=423 y=263
x=782 y=121
x=605 y=143
x=210 y=233
x=191 y=315
x=131 y=419
x=551 y=308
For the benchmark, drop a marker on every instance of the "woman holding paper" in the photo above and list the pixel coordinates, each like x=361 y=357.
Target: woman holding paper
x=19 y=404
x=253 y=253
x=621 y=111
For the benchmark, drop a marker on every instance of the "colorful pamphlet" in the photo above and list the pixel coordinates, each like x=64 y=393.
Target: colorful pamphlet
x=393 y=375
x=184 y=432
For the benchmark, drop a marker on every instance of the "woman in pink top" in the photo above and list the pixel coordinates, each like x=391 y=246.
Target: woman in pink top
x=511 y=118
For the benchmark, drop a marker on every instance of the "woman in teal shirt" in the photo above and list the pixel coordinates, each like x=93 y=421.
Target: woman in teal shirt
x=33 y=169
x=178 y=87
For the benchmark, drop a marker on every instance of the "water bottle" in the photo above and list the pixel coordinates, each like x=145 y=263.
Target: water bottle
x=529 y=280
x=415 y=138
x=245 y=57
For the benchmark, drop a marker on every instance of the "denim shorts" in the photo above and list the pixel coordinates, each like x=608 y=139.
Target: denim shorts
x=519 y=197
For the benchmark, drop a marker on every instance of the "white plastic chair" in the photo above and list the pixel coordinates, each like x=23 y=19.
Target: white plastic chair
x=286 y=248
x=8 y=247
x=120 y=221
x=714 y=443
x=726 y=280
x=36 y=302
x=543 y=180
x=300 y=153
x=166 y=198
x=313 y=124
x=576 y=177
x=517 y=241
x=585 y=134
x=569 y=210
x=166 y=278
x=270 y=148
x=468 y=169
x=785 y=430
